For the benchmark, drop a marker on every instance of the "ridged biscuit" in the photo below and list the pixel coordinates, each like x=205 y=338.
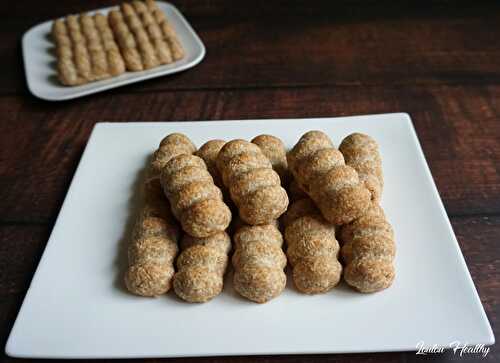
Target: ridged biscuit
x=208 y=152
x=144 y=36
x=196 y=201
x=172 y=145
x=254 y=186
x=156 y=232
x=135 y=37
x=86 y=50
x=153 y=246
x=274 y=149
x=368 y=251
x=312 y=248
x=361 y=152
x=258 y=262
x=167 y=29
x=201 y=267
x=321 y=172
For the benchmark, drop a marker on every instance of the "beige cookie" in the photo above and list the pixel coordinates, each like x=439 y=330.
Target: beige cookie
x=145 y=38
x=201 y=267
x=196 y=201
x=368 y=251
x=274 y=149
x=167 y=30
x=208 y=152
x=86 y=50
x=258 y=262
x=312 y=248
x=153 y=248
x=171 y=145
x=361 y=152
x=153 y=245
x=254 y=186
x=321 y=172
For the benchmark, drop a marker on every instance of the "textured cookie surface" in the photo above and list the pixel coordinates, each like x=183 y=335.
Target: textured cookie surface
x=274 y=149
x=321 y=172
x=368 y=251
x=201 y=267
x=145 y=37
x=208 y=152
x=153 y=247
x=170 y=146
x=254 y=186
x=135 y=37
x=258 y=262
x=154 y=241
x=312 y=248
x=196 y=201
x=362 y=153
x=86 y=50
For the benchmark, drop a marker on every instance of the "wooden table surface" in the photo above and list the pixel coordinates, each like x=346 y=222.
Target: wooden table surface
x=438 y=61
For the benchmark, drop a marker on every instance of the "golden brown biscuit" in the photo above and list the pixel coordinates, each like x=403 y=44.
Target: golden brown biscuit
x=167 y=30
x=321 y=172
x=368 y=251
x=361 y=152
x=153 y=248
x=312 y=248
x=196 y=201
x=208 y=152
x=201 y=266
x=171 y=145
x=85 y=49
x=274 y=149
x=140 y=32
x=153 y=31
x=258 y=262
x=253 y=184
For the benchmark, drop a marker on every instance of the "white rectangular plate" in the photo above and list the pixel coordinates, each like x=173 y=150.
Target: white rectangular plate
x=41 y=74
x=76 y=306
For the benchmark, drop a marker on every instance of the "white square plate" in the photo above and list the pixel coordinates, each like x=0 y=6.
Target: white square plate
x=76 y=307
x=41 y=75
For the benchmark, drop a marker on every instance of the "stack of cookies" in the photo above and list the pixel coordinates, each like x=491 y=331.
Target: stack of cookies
x=137 y=36
x=315 y=207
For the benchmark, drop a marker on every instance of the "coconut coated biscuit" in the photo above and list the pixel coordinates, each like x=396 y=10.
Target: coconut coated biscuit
x=254 y=186
x=153 y=246
x=368 y=251
x=85 y=49
x=361 y=152
x=274 y=149
x=201 y=267
x=312 y=248
x=321 y=172
x=258 y=262
x=195 y=200
x=145 y=37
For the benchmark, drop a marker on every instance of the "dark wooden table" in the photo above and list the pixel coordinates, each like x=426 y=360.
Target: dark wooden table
x=438 y=61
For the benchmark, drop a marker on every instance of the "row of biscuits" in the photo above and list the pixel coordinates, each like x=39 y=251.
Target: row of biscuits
x=134 y=37
x=333 y=193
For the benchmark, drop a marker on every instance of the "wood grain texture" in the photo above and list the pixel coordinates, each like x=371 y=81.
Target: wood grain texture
x=457 y=126
x=299 y=43
x=20 y=251
x=476 y=235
